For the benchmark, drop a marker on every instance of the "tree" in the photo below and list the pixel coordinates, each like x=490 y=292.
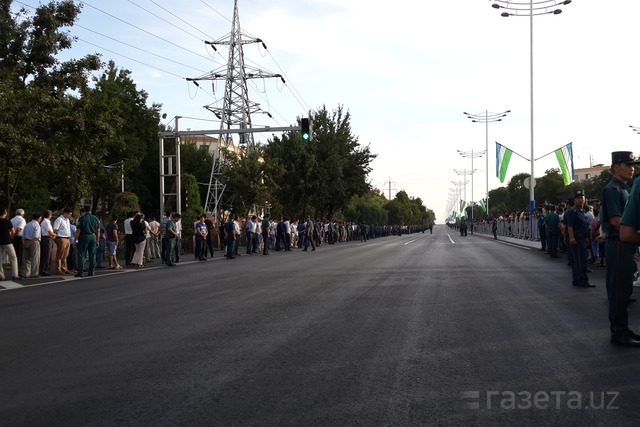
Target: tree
x=343 y=164
x=34 y=89
x=248 y=179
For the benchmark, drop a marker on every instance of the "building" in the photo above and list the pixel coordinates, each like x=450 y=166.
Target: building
x=587 y=173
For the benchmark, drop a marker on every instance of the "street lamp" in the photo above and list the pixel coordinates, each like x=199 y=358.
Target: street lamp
x=533 y=8
x=487 y=118
x=118 y=165
x=472 y=155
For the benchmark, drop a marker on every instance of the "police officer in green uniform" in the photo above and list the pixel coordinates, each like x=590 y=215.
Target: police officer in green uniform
x=578 y=231
x=541 y=230
x=619 y=254
x=463 y=226
x=308 y=234
x=87 y=235
x=552 y=226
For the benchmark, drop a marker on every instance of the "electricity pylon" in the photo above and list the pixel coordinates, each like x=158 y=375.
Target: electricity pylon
x=236 y=111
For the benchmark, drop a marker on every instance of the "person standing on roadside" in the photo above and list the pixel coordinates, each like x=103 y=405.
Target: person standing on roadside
x=6 y=245
x=129 y=247
x=18 y=223
x=201 y=238
x=308 y=233
x=230 y=233
x=31 y=247
x=170 y=237
x=62 y=229
x=111 y=232
x=46 y=241
x=552 y=226
x=619 y=254
x=87 y=236
x=266 y=232
x=578 y=232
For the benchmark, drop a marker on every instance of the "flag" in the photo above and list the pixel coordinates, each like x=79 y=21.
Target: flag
x=565 y=159
x=482 y=205
x=503 y=156
x=462 y=205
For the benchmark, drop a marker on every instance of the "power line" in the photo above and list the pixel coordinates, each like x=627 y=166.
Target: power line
x=138 y=48
x=165 y=20
x=148 y=32
x=132 y=59
x=177 y=17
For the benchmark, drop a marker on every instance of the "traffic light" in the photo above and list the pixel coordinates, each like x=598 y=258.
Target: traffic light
x=305 y=130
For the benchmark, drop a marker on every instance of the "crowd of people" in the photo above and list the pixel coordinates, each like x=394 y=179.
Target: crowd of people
x=604 y=233
x=66 y=245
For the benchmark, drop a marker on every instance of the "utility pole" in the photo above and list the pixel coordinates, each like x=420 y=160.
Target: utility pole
x=236 y=110
x=390 y=182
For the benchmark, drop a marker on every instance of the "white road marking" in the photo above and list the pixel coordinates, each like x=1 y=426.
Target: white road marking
x=411 y=241
x=447 y=233
x=8 y=284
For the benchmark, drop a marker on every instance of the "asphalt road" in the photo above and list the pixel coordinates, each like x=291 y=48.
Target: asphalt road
x=414 y=330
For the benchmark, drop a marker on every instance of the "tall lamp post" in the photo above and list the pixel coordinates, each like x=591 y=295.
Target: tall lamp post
x=533 y=8
x=486 y=118
x=472 y=155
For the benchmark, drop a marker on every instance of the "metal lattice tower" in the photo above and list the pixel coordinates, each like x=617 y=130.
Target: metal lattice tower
x=236 y=110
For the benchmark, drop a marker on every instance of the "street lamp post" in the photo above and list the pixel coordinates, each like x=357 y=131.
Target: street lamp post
x=486 y=118
x=534 y=8
x=472 y=155
x=118 y=165
x=466 y=172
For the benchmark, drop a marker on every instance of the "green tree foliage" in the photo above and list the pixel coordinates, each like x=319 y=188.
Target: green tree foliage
x=320 y=176
x=248 y=180
x=343 y=164
x=123 y=204
x=368 y=208
x=405 y=210
x=37 y=114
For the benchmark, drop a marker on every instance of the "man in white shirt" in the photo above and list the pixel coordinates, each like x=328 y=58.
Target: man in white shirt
x=18 y=223
x=31 y=243
x=152 y=242
x=129 y=247
x=236 y=228
x=178 y=247
x=249 y=228
x=46 y=240
x=62 y=230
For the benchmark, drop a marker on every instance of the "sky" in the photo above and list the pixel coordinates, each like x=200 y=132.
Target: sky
x=405 y=70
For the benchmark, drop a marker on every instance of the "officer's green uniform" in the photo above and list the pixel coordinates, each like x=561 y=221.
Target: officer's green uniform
x=618 y=256
x=88 y=225
x=552 y=219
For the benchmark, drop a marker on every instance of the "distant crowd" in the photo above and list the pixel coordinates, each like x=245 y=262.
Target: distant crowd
x=46 y=246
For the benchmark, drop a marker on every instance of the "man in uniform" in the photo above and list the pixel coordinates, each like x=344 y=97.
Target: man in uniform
x=552 y=227
x=170 y=237
x=87 y=235
x=578 y=231
x=308 y=233
x=619 y=251
x=541 y=230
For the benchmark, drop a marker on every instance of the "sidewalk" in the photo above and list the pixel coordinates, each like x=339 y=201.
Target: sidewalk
x=513 y=240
